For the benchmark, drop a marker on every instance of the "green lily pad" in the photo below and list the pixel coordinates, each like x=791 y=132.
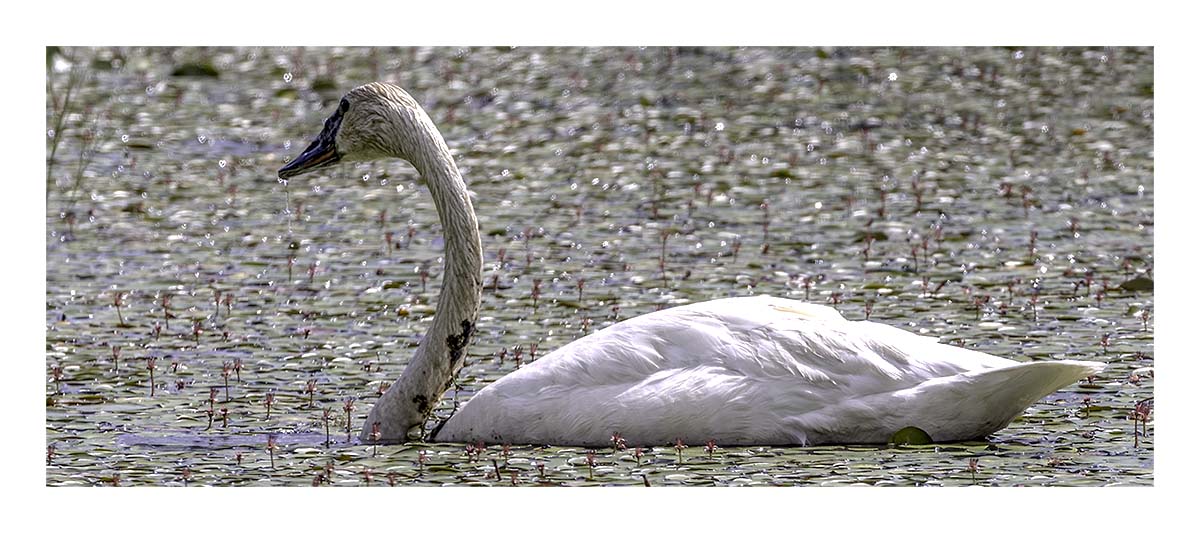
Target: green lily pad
x=1138 y=284
x=911 y=435
x=324 y=84
x=198 y=69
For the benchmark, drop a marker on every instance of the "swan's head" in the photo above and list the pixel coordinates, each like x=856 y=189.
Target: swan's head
x=372 y=121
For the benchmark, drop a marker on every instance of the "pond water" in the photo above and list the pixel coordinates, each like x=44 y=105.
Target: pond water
x=997 y=198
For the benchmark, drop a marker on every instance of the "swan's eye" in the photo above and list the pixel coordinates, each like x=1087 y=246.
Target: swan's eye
x=345 y=105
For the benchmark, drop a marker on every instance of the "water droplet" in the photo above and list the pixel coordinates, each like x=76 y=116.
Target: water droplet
x=720 y=126
x=221 y=163
x=287 y=78
x=125 y=138
x=893 y=76
x=202 y=139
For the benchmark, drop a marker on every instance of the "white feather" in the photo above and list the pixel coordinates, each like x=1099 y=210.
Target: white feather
x=755 y=370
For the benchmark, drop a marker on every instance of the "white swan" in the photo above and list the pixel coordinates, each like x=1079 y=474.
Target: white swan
x=740 y=371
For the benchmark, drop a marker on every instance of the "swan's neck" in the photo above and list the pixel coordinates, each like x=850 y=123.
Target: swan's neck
x=440 y=355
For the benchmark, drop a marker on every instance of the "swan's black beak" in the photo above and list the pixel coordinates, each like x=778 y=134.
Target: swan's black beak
x=321 y=153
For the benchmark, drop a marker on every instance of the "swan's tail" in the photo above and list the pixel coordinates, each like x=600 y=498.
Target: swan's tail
x=1022 y=385
x=973 y=405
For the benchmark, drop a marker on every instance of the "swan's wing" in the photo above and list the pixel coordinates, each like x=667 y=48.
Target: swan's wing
x=735 y=369
x=759 y=337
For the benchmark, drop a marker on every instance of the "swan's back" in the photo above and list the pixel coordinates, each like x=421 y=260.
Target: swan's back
x=757 y=370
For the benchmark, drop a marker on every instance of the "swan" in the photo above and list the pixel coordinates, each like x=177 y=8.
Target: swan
x=757 y=370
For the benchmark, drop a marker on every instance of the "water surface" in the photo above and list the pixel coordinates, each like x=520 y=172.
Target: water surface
x=1000 y=199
